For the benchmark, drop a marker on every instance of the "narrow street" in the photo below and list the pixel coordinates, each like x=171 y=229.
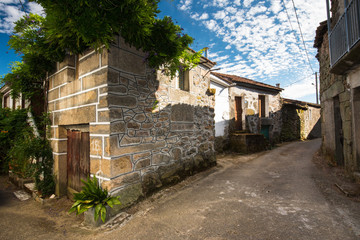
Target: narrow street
x=279 y=194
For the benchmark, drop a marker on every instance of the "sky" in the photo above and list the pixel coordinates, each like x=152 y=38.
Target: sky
x=255 y=39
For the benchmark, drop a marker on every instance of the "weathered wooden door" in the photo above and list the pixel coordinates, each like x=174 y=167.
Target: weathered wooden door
x=339 y=138
x=261 y=106
x=238 y=113
x=78 y=159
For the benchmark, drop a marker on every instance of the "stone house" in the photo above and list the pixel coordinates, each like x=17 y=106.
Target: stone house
x=254 y=107
x=337 y=41
x=7 y=101
x=135 y=129
x=300 y=120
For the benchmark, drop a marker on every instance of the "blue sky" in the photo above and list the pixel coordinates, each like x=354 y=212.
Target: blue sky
x=248 y=38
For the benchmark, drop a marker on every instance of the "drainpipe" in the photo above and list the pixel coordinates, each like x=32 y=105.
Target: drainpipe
x=328 y=16
x=329 y=28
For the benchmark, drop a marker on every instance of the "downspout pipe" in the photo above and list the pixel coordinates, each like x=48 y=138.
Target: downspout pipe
x=328 y=16
x=329 y=28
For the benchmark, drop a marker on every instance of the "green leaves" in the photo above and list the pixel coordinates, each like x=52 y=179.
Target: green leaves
x=93 y=196
x=71 y=27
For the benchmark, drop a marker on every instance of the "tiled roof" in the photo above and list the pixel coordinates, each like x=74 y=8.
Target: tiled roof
x=205 y=60
x=299 y=103
x=241 y=80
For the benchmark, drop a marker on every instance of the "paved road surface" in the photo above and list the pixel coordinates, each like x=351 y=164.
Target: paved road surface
x=280 y=194
x=272 y=197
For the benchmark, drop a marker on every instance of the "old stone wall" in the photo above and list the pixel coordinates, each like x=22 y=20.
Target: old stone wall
x=74 y=96
x=144 y=131
x=300 y=123
x=335 y=88
x=312 y=125
x=250 y=113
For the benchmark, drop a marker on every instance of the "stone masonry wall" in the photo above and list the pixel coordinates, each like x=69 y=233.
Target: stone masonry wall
x=331 y=86
x=251 y=120
x=300 y=123
x=144 y=132
x=165 y=134
x=73 y=102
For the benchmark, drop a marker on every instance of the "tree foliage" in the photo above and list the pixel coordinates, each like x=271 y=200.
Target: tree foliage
x=71 y=27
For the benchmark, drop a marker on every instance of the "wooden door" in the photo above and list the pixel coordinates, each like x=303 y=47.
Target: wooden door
x=238 y=113
x=78 y=159
x=339 y=138
x=261 y=106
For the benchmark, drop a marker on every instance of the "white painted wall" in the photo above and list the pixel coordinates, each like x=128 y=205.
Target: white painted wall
x=222 y=116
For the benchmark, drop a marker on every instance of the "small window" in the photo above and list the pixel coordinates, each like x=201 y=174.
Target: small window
x=183 y=77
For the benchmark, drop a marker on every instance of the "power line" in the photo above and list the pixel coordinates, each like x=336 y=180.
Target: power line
x=22 y=6
x=299 y=80
x=302 y=37
x=292 y=28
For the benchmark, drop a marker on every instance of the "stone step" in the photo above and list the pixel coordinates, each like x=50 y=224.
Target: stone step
x=22 y=195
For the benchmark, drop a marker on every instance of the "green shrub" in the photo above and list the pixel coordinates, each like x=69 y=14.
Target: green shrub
x=93 y=196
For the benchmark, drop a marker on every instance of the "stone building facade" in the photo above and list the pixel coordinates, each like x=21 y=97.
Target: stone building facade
x=7 y=101
x=254 y=107
x=340 y=88
x=300 y=120
x=144 y=130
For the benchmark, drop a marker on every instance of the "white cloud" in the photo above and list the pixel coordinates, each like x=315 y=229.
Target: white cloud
x=220 y=3
x=247 y=3
x=220 y=15
x=35 y=8
x=221 y=58
x=197 y=17
x=185 y=5
x=11 y=11
x=10 y=14
x=237 y=2
x=299 y=90
x=211 y=25
x=265 y=45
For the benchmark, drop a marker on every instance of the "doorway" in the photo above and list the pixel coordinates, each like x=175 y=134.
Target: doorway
x=238 y=114
x=339 y=137
x=78 y=159
x=356 y=119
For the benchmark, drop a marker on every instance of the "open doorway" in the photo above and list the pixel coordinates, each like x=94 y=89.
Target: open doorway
x=356 y=119
x=339 y=137
x=238 y=114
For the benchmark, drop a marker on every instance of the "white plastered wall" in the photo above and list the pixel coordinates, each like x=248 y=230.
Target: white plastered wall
x=222 y=115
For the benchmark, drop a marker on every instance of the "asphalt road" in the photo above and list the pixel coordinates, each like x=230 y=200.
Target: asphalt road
x=274 y=196
x=279 y=194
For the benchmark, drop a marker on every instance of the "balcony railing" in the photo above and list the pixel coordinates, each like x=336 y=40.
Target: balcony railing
x=346 y=32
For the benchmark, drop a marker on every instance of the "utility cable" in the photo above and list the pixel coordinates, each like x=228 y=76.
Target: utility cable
x=299 y=81
x=302 y=36
x=292 y=29
x=22 y=6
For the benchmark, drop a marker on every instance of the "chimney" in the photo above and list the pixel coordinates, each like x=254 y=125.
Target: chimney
x=278 y=85
x=206 y=52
